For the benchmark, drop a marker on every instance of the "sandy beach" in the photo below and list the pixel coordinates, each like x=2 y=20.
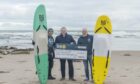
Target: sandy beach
x=20 y=69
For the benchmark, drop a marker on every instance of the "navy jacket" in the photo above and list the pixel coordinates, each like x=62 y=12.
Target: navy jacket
x=68 y=39
x=86 y=41
x=51 y=45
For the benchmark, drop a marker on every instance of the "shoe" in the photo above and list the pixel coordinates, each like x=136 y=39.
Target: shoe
x=72 y=79
x=86 y=79
x=51 y=78
x=62 y=79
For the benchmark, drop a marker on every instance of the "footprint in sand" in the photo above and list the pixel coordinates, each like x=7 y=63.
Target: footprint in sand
x=22 y=61
x=27 y=70
x=138 y=76
x=23 y=83
x=3 y=82
x=127 y=54
x=1 y=57
x=1 y=72
x=33 y=82
x=127 y=69
x=123 y=76
x=24 y=78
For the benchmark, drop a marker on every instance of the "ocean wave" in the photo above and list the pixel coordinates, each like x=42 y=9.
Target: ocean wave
x=124 y=34
x=23 y=40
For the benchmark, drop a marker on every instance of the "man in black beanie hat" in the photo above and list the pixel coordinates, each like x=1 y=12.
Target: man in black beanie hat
x=51 y=53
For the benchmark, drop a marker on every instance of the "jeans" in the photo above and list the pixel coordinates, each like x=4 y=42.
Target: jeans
x=86 y=63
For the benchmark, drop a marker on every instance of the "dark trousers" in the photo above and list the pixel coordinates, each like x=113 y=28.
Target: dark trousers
x=70 y=66
x=50 y=66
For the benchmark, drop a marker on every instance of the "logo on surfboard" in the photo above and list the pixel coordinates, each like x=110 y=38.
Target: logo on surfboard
x=103 y=22
x=41 y=18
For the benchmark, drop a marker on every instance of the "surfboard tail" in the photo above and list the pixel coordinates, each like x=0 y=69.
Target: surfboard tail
x=42 y=67
x=99 y=69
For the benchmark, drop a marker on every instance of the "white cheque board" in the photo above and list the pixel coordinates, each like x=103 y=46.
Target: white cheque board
x=67 y=51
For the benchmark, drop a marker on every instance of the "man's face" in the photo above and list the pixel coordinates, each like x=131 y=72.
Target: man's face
x=63 y=31
x=50 y=33
x=84 y=31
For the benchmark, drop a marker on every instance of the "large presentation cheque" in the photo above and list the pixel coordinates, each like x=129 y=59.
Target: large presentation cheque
x=70 y=51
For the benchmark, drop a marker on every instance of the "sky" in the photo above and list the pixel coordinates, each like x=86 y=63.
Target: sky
x=74 y=14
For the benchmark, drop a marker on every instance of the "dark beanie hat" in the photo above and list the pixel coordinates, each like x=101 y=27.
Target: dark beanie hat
x=50 y=29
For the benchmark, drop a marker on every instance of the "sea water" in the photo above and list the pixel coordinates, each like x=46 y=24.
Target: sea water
x=121 y=39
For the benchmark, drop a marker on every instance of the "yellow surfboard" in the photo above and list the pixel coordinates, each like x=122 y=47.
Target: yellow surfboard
x=102 y=50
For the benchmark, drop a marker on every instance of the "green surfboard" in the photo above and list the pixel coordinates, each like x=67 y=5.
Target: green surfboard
x=40 y=38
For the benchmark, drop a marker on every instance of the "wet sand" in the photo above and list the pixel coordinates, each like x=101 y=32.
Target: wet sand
x=20 y=69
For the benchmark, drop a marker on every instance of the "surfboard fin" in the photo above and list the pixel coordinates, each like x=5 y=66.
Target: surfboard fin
x=36 y=73
x=38 y=55
x=107 y=59
x=33 y=42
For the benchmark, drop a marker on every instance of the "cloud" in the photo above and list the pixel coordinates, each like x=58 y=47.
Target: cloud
x=19 y=11
x=71 y=13
x=15 y=26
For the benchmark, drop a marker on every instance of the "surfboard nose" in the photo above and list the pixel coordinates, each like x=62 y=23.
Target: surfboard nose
x=103 y=25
